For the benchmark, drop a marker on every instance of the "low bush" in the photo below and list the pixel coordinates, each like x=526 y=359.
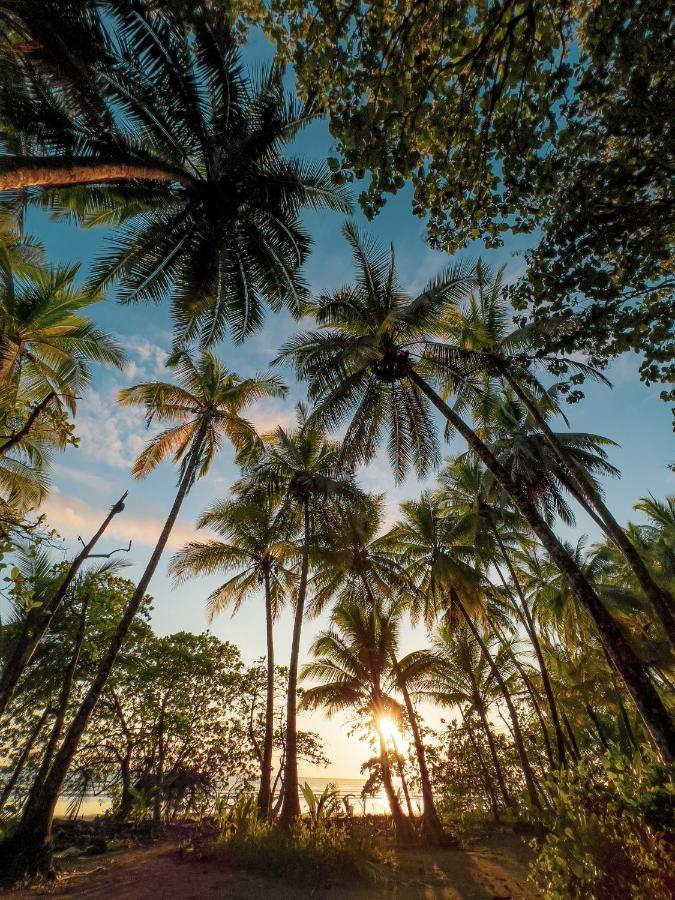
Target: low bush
x=325 y=850
x=611 y=833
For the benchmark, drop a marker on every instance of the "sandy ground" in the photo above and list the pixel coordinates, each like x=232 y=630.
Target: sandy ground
x=496 y=868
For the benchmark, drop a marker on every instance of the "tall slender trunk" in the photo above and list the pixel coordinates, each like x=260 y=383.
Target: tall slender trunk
x=402 y=826
x=62 y=708
x=290 y=809
x=34 y=632
x=29 y=849
x=404 y=785
x=18 y=172
x=18 y=435
x=21 y=761
x=661 y=601
x=574 y=746
x=534 y=640
x=431 y=823
x=508 y=799
x=654 y=713
x=517 y=734
x=593 y=716
x=487 y=781
x=265 y=792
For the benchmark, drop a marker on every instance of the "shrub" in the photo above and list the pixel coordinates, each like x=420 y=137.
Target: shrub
x=324 y=850
x=611 y=833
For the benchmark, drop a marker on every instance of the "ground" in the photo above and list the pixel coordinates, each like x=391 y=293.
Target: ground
x=495 y=867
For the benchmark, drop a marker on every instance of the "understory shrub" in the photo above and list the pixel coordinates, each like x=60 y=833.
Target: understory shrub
x=612 y=832
x=329 y=850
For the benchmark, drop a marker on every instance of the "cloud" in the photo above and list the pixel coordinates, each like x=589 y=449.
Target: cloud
x=150 y=358
x=73 y=518
x=266 y=415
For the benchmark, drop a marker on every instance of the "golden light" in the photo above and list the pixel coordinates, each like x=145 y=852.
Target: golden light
x=389 y=731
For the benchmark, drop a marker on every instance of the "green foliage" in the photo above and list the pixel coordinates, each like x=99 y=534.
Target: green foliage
x=612 y=831
x=323 y=850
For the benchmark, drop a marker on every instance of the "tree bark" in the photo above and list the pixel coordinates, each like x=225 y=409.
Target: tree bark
x=265 y=792
x=655 y=715
x=484 y=771
x=402 y=826
x=29 y=849
x=661 y=601
x=17 y=436
x=19 y=172
x=31 y=636
x=517 y=734
x=508 y=799
x=290 y=809
x=21 y=761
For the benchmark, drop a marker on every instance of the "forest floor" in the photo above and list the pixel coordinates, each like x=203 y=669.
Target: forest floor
x=494 y=866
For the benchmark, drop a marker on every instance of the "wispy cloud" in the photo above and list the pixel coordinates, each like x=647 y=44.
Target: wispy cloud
x=72 y=518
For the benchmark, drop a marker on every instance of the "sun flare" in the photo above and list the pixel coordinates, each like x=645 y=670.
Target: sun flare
x=389 y=731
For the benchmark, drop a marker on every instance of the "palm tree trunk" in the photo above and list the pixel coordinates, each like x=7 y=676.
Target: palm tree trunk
x=18 y=172
x=21 y=761
x=534 y=640
x=62 y=708
x=592 y=715
x=29 y=849
x=431 y=823
x=402 y=826
x=487 y=781
x=406 y=792
x=635 y=677
x=508 y=799
x=517 y=734
x=661 y=601
x=265 y=792
x=31 y=636
x=290 y=809
x=17 y=436
x=574 y=746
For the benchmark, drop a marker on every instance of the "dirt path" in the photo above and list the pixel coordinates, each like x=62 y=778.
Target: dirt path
x=482 y=872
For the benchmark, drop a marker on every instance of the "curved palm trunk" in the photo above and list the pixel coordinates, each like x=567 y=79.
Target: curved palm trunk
x=574 y=746
x=635 y=677
x=501 y=781
x=534 y=640
x=290 y=809
x=517 y=734
x=431 y=823
x=661 y=601
x=29 y=849
x=487 y=781
x=406 y=792
x=64 y=699
x=21 y=761
x=265 y=792
x=402 y=826
x=18 y=172
x=33 y=633
x=17 y=436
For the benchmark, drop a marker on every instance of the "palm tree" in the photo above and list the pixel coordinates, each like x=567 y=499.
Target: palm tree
x=447 y=584
x=140 y=122
x=256 y=548
x=303 y=472
x=495 y=353
x=496 y=532
x=456 y=672
x=350 y=560
x=376 y=357
x=353 y=664
x=46 y=348
x=201 y=409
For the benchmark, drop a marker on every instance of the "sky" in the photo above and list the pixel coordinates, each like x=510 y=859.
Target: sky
x=89 y=478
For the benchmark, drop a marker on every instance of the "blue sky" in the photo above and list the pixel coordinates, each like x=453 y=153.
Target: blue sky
x=89 y=478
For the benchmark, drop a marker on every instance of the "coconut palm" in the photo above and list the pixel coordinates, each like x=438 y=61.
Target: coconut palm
x=376 y=360
x=495 y=355
x=141 y=122
x=305 y=474
x=46 y=347
x=454 y=671
x=447 y=584
x=351 y=561
x=353 y=666
x=257 y=546
x=202 y=409
x=496 y=531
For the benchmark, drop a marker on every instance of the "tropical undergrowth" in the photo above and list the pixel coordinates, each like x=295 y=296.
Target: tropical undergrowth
x=329 y=849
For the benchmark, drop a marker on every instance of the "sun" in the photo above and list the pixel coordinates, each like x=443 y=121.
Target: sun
x=390 y=732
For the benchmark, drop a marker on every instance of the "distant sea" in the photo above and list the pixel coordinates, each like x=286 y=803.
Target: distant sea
x=349 y=788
